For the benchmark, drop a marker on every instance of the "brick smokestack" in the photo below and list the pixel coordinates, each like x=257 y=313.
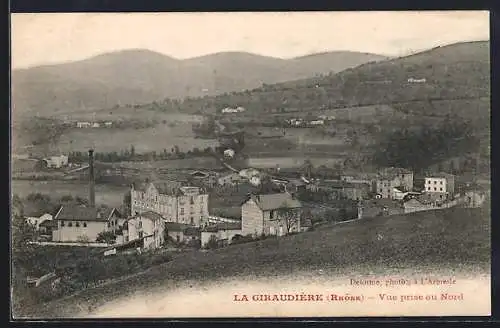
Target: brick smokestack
x=91 y=179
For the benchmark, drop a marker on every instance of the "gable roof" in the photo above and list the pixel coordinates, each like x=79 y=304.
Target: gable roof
x=84 y=213
x=175 y=226
x=267 y=202
x=223 y=226
x=48 y=224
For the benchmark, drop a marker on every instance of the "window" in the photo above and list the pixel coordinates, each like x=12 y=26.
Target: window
x=192 y=220
x=441 y=182
x=109 y=224
x=440 y=189
x=182 y=210
x=141 y=234
x=380 y=190
x=435 y=188
x=70 y=224
x=116 y=222
x=191 y=200
x=85 y=224
x=62 y=223
x=435 y=181
x=77 y=224
x=140 y=224
x=428 y=188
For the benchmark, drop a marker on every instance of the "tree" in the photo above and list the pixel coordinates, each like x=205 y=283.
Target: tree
x=212 y=242
x=289 y=217
x=107 y=237
x=84 y=239
x=127 y=202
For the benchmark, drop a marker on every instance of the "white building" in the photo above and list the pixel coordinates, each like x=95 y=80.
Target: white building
x=441 y=185
x=56 y=161
x=171 y=200
x=223 y=232
x=147 y=225
x=96 y=125
x=83 y=124
x=229 y=153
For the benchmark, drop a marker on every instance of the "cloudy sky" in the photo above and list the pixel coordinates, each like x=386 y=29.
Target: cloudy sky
x=52 y=38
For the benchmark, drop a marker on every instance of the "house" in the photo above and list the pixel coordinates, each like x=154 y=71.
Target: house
x=46 y=227
x=224 y=232
x=317 y=122
x=175 y=231
x=96 y=125
x=229 y=153
x=56 y=161
x=270 y=214
x=77 y=223
x=108 y=124
x=35 y=219
x=440 y=186
x=414 y=80
x=231 y=179
x=148 y=225
x=176 y=203
x=391 y=178
x=83 y=124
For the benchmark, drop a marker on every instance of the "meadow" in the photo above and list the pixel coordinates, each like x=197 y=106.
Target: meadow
x=453 y=240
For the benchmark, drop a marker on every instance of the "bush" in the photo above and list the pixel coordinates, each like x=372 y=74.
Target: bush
x=239 y=239
x=212 y=243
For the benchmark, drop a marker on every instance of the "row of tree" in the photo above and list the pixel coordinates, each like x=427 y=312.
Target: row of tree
x=131 y=155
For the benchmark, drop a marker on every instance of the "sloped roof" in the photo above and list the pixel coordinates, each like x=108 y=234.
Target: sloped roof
x=275 y=201
x=223 y=226
x=391 y=172
x=443 y=175
x=84 y=213
x=49 y=224
x=175 y=226
x=151 y=215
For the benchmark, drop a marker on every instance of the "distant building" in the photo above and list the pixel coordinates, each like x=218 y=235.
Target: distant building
x=35 y=220
x=83 y=124
x=76 y=223
x=440 y=185
x=56 y=161
x=317 y=122
x=96 y=125
x=231 y=179
x=413 y=80
x=176 y=203
x=261 y=214
x=229 y=153
x=391 y=178
x=108 y=124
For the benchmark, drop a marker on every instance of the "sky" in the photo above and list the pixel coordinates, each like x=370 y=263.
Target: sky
x=38 y=39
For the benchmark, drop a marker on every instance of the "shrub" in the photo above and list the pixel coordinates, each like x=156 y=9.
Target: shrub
x=212 y=242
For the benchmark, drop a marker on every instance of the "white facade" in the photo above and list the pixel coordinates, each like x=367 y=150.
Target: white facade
x=435 y=185
x=83 y=124
x=57 y=161
x=190 y=206
x=35 y=221
x=145 y=226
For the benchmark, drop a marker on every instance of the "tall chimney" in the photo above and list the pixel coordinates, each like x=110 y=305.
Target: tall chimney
x=91 y=179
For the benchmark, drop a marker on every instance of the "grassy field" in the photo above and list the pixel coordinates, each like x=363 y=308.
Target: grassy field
x=456 y=239
x=104 y=193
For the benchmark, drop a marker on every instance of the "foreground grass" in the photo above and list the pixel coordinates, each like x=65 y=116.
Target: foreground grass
x=458 y=239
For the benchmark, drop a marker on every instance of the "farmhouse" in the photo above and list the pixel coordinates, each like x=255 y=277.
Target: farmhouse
x=77 y=223
x=223 y=232
x=270 y=214
x=147 y=225
x=176 y=203
x=440 y=186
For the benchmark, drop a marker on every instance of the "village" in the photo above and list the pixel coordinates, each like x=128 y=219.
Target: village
x=264 y=203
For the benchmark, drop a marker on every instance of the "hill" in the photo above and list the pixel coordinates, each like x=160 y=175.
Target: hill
x=453 y=78
x=450 y=241
x=143 y=76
